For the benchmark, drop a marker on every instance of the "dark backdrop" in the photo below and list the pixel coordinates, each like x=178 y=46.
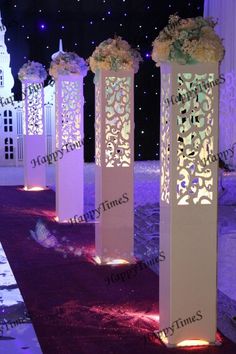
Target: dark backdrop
x=35 y=26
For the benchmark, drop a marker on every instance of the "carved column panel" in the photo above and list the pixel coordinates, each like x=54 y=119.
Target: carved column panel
x=34 y=134
x=114 y=131
x=69 y=139
x=188 y=200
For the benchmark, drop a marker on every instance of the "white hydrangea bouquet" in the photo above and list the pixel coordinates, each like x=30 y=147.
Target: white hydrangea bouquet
x=32 y=70
x=115 y=54
x=68 y=63
x=188 y=41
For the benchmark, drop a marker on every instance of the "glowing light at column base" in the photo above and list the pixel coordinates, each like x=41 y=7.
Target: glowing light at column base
x=62 y=221
x=192 y=343
x=34 y=189
x=117 y=262
x=164 y=339
x=98 y=260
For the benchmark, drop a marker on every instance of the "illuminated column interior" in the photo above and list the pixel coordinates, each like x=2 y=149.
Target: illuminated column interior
x=34 y=135
x=114 y=129
x=69 y=139
x=188 y=201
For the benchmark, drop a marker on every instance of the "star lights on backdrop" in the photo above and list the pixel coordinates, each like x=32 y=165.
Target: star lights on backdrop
x=33 y=33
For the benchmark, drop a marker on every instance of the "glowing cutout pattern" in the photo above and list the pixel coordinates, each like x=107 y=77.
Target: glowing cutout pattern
x=117 y=128
x=194 y=141
x=98 y=128
x=69 y=111
x=165 y=140
x=33 y=115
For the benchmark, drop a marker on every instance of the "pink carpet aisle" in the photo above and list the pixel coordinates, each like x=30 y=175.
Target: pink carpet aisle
x=72 y=307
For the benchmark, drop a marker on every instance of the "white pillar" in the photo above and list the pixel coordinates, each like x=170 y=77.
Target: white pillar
x=188 y=202
x=114 y=130
x=69 y=130
x=34 y=134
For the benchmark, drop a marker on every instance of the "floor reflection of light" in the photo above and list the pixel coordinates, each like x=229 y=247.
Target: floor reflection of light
x=117 y=311
x=192 y=343
x=34 y=189
x=151 y=319
x=154 y=317
x=125 y=316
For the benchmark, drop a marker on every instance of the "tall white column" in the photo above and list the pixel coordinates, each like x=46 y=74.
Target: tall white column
x=69 y=135
x=188 y=202
x=34 y=134
x=114 y=130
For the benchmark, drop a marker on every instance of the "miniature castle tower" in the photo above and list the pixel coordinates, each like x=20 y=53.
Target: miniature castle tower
x=6 y=78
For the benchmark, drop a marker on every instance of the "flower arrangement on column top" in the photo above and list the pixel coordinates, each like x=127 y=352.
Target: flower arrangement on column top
x=32 y=70
x=188 y=41
x=68 y=63
x=115 y=54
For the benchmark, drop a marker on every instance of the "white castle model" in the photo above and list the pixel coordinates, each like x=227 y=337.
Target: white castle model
x=11 y=127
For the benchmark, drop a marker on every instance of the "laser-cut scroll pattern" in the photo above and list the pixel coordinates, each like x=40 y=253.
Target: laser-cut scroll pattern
x=69 y=104
x=98 y=125
x=165 y=140
x=118 y=123
x=195 y=141
x=33 y=113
